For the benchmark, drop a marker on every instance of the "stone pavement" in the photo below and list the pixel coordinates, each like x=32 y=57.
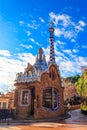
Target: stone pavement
x=47 y=123
x=76 y=118
x=58 y=118
x=5 y=127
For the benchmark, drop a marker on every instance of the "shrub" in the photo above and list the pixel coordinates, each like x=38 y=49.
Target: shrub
x=84 y=107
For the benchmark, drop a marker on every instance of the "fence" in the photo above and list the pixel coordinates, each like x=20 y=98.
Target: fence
x=6 y=113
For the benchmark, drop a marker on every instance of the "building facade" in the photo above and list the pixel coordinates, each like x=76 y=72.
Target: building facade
x=7 y=101
x=39 y=91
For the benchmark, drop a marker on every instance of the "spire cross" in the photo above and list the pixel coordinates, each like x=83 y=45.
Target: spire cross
x=51 y=24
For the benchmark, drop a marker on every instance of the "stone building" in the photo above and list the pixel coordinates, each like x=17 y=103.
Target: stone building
x=7 y=101
x=39 y=91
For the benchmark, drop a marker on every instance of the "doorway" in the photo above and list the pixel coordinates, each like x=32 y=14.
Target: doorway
x=32 y=100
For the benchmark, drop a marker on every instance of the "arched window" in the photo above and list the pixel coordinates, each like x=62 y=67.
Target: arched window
x=51 y=98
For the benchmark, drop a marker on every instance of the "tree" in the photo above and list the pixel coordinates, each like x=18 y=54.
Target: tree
x=81 y=86
x=72 y=79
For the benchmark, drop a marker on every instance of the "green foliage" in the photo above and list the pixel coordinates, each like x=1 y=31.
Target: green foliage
x=72 y=79
x=84 y=107
x=81 y=85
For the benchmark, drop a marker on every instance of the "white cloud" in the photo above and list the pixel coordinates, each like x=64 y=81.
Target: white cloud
x=27 y=57
x=33 y=25
x=65 y=26
x=60 y=42
x=8 y=69
x=82 y=61
x=63 y=19
x=73 y=40
x=79 y=28
x=35 y=42
x=42 y=20
x=26 y=46
x=5 y=53
x=67 y=51
x=59 y=32
x=68 y=64
x=71 y=53
x=21 y=22
x=69 y=34
x=82 y=23
x=75 y=50
x=38 y=44
x=72 y=66
x=10 y=66
x=31 y=39
x=28 y=33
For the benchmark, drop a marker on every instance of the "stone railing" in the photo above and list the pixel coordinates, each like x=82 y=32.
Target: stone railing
x=72 y=107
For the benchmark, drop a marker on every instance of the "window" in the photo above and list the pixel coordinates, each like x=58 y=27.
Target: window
x=47 y=98
x=25 y=97
x=51 y=98
x=4 y=105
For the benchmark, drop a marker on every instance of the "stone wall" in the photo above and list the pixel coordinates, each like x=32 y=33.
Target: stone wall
x=39 y=110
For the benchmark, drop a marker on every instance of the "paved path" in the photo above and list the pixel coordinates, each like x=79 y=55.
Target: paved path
x=77 y=121
x=9 y=128
x=76 y=118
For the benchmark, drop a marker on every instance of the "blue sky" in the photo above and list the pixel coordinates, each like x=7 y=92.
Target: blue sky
x=24 y=26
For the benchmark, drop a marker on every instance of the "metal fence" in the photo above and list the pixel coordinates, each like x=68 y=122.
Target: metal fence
x=5 y=114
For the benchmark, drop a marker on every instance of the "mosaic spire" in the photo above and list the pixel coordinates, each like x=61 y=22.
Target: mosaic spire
x=40 y=63
x=52 y=53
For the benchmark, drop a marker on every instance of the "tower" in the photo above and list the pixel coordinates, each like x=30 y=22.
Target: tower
x=52 y=53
